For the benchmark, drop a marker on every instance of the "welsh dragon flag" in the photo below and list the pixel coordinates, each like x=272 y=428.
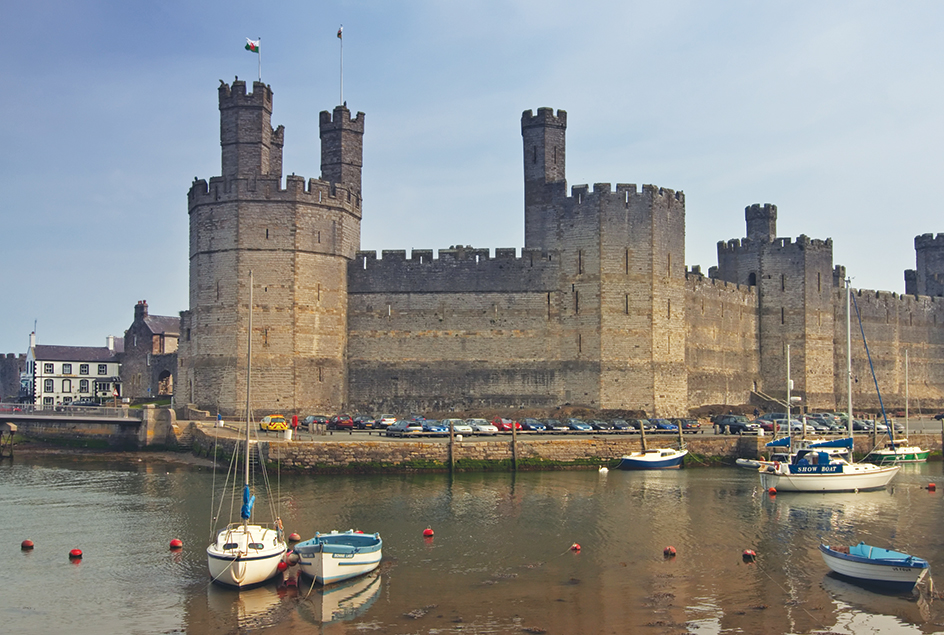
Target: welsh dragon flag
x=252 y=45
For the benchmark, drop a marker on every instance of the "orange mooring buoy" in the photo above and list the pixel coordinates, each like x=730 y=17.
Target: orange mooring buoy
x=176 y=543
x=669 y=552
x=428 y=532
x=575 y=547
x=293 y=537
x=772 y=491
x=26 y=545
x=932 y=487
x=749 y=555
x=75 y=554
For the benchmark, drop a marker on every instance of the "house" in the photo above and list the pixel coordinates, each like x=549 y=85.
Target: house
x=59 y=375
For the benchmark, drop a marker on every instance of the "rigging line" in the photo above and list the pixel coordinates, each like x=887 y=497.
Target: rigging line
x=869 y=356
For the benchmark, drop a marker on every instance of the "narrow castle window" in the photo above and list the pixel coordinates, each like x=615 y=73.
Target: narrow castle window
x=782 y=316
x=549 y=306
x=668 y=271
x=320 y=374
x=752 y=279
x=319 y=236
x=265 y=336
x=576 y=302
x=783 y=282
x=534 y=154
x=626 y=265
x=669 y=310
x=318 y=296
x=580 y=261
x=579 y=343
x=819 y=282
x=267 y=233
x=626 y=304
x=555 y=155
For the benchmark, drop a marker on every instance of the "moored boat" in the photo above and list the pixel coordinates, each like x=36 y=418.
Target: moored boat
x=870 y=565
x=338 y=556
x=819 y=468
x=898 y=451
x=655 y=459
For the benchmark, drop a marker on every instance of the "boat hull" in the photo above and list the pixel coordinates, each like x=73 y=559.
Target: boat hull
x=854 y=477
x=252 y=556
x=902 y=455
x=895 y=574
x=330 y=558
x=653 y=460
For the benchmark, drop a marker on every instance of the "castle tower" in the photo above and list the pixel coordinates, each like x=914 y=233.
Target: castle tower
x=927 y=278
x=545 y=179
x=342 y=147
x=761 y=222
x=296 y=240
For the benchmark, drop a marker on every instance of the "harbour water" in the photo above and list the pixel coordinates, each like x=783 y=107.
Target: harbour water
x=499 y=562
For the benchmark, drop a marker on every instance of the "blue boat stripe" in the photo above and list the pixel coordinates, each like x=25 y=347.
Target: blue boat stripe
x=245 y=558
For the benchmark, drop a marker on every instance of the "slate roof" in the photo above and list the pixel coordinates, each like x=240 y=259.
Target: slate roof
x=163 y=324
x=47 y=353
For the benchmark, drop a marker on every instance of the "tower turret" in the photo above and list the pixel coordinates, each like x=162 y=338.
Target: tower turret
x=761 y=222
x=250 y=146
x=543 y=136
x=342 y=147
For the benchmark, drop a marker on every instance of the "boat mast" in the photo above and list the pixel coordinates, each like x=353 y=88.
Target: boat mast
x=906 y=393
x=849 y=350
x=248 y=384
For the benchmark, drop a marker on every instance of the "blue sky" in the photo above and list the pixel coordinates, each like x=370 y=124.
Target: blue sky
x=831 y=111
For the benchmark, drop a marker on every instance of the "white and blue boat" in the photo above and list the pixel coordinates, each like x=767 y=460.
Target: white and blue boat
x=655 y=459
x=337 y=556
x=820 y=467
x=874 y=566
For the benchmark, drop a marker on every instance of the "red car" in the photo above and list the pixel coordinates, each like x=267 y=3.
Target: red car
x=504 y=425
x=341 y=422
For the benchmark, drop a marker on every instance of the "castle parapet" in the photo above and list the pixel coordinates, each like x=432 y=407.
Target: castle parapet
x=624 y=192
x=544 y=117
x=314 y=192
x=929 y=241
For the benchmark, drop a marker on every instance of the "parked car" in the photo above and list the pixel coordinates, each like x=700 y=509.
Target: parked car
x=739 y=424
x=621 y=425
x=554 y=425
x=273 y=423
x=600 y=425
x=458 y=426
x=481 y=426
x=689 y=426
x=533 y=424
x=385 y=421
x=85 y=401
x=341 y=422
x=363 y=422
x=312 y=421
x=577 y=425
x=637 y=425
x=433 y=427
x=403 y=428
x=663 y=425
x=504 y=425
x=938 y=417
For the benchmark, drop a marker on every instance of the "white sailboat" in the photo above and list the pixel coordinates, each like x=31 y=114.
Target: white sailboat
x=243 y=554
x=813 y=470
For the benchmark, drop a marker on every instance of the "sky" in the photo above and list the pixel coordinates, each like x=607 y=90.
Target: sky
x=829 y=110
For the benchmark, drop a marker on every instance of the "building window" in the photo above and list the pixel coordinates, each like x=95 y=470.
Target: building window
x=103 y=369
x=83 y=385
x=47 y=401
x=783 y=282
x=83 y=369
x=66 y=385
x=67 y=369
x=47 y=385
x=48 y=369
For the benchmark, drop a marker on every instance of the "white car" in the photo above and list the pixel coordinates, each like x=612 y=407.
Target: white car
x=482 y=426
x=459 y=426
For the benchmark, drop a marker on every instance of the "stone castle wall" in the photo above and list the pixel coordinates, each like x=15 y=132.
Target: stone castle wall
x=11 y=365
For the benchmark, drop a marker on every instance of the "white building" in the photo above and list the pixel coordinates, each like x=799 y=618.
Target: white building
x=59 y=375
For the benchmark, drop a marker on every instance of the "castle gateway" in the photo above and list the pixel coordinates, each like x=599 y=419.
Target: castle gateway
x=597 y=309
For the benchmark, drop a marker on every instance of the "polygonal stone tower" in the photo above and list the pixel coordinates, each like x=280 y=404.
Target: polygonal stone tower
x=296 y=240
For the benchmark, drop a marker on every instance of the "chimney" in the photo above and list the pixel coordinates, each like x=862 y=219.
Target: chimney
x=140 y=310
x=32 y=339
x=110 y=341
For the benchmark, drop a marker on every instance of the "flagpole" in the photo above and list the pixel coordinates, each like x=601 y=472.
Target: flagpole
x=260 y=59
x=341 y=37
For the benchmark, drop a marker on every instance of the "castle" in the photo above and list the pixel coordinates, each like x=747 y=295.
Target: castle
x=598 y=309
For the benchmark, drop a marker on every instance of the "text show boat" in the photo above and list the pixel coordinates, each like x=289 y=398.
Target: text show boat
x=818 y=469
x=655 y=459
x=875 y=566
x=244 y=554
x=338 y=556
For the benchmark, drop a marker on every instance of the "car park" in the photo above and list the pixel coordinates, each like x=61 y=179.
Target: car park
x=458 y=426
x=576 y=425
x=403 y=428
x=533 y=425
x=481 y=426
x=341 y=422
x=273 y=423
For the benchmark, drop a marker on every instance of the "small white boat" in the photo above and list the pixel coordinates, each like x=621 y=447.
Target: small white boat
x=819 y=471
x=870 y=565
x=338 y=556
x=655 y=459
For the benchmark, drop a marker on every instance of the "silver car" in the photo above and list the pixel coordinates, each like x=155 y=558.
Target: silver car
x=482 y=426
x=459 y=426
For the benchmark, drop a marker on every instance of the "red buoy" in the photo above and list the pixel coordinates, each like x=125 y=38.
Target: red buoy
x=282 y=566
x=75 y=554
x=428 y=532
x=575 y=547
x=772 y=491
x=26 y=545
x=176 y=543
x=669 y=552
x=293 y=537
x=932 y=487
x=749 y=555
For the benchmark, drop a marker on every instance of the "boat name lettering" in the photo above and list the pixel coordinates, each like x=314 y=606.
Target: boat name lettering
x=818 y=469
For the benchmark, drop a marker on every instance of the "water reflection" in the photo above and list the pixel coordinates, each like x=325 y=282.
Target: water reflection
x=345 y=601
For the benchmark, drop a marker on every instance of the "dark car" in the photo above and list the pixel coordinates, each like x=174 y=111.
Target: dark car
x=622 y=425
x=363 y=422
x=85 y=402
x=577 y=425
x=938 y=417
x=553 y=425
x=533 y=424
x=689 y=426
x=664 y=425
x=600 y=425
x=311 y=422
x=737 y=424
x=341 y=422
x=638 y=425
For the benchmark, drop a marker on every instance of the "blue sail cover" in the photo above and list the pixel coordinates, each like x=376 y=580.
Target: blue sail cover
x=248 y=501
x=782 y=442
x=834 y=443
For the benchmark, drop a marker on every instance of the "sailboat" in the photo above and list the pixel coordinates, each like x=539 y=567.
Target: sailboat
x=898 y=451
x=243 y=554
x=817 y=470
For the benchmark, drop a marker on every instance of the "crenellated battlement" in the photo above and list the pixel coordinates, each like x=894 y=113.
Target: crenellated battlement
x=545 y=117
x=235 y=96
x=312 y=192
x=624 y=192
x=699 y=282
x=929 y=241
x=801 y=243
x=341 y=119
